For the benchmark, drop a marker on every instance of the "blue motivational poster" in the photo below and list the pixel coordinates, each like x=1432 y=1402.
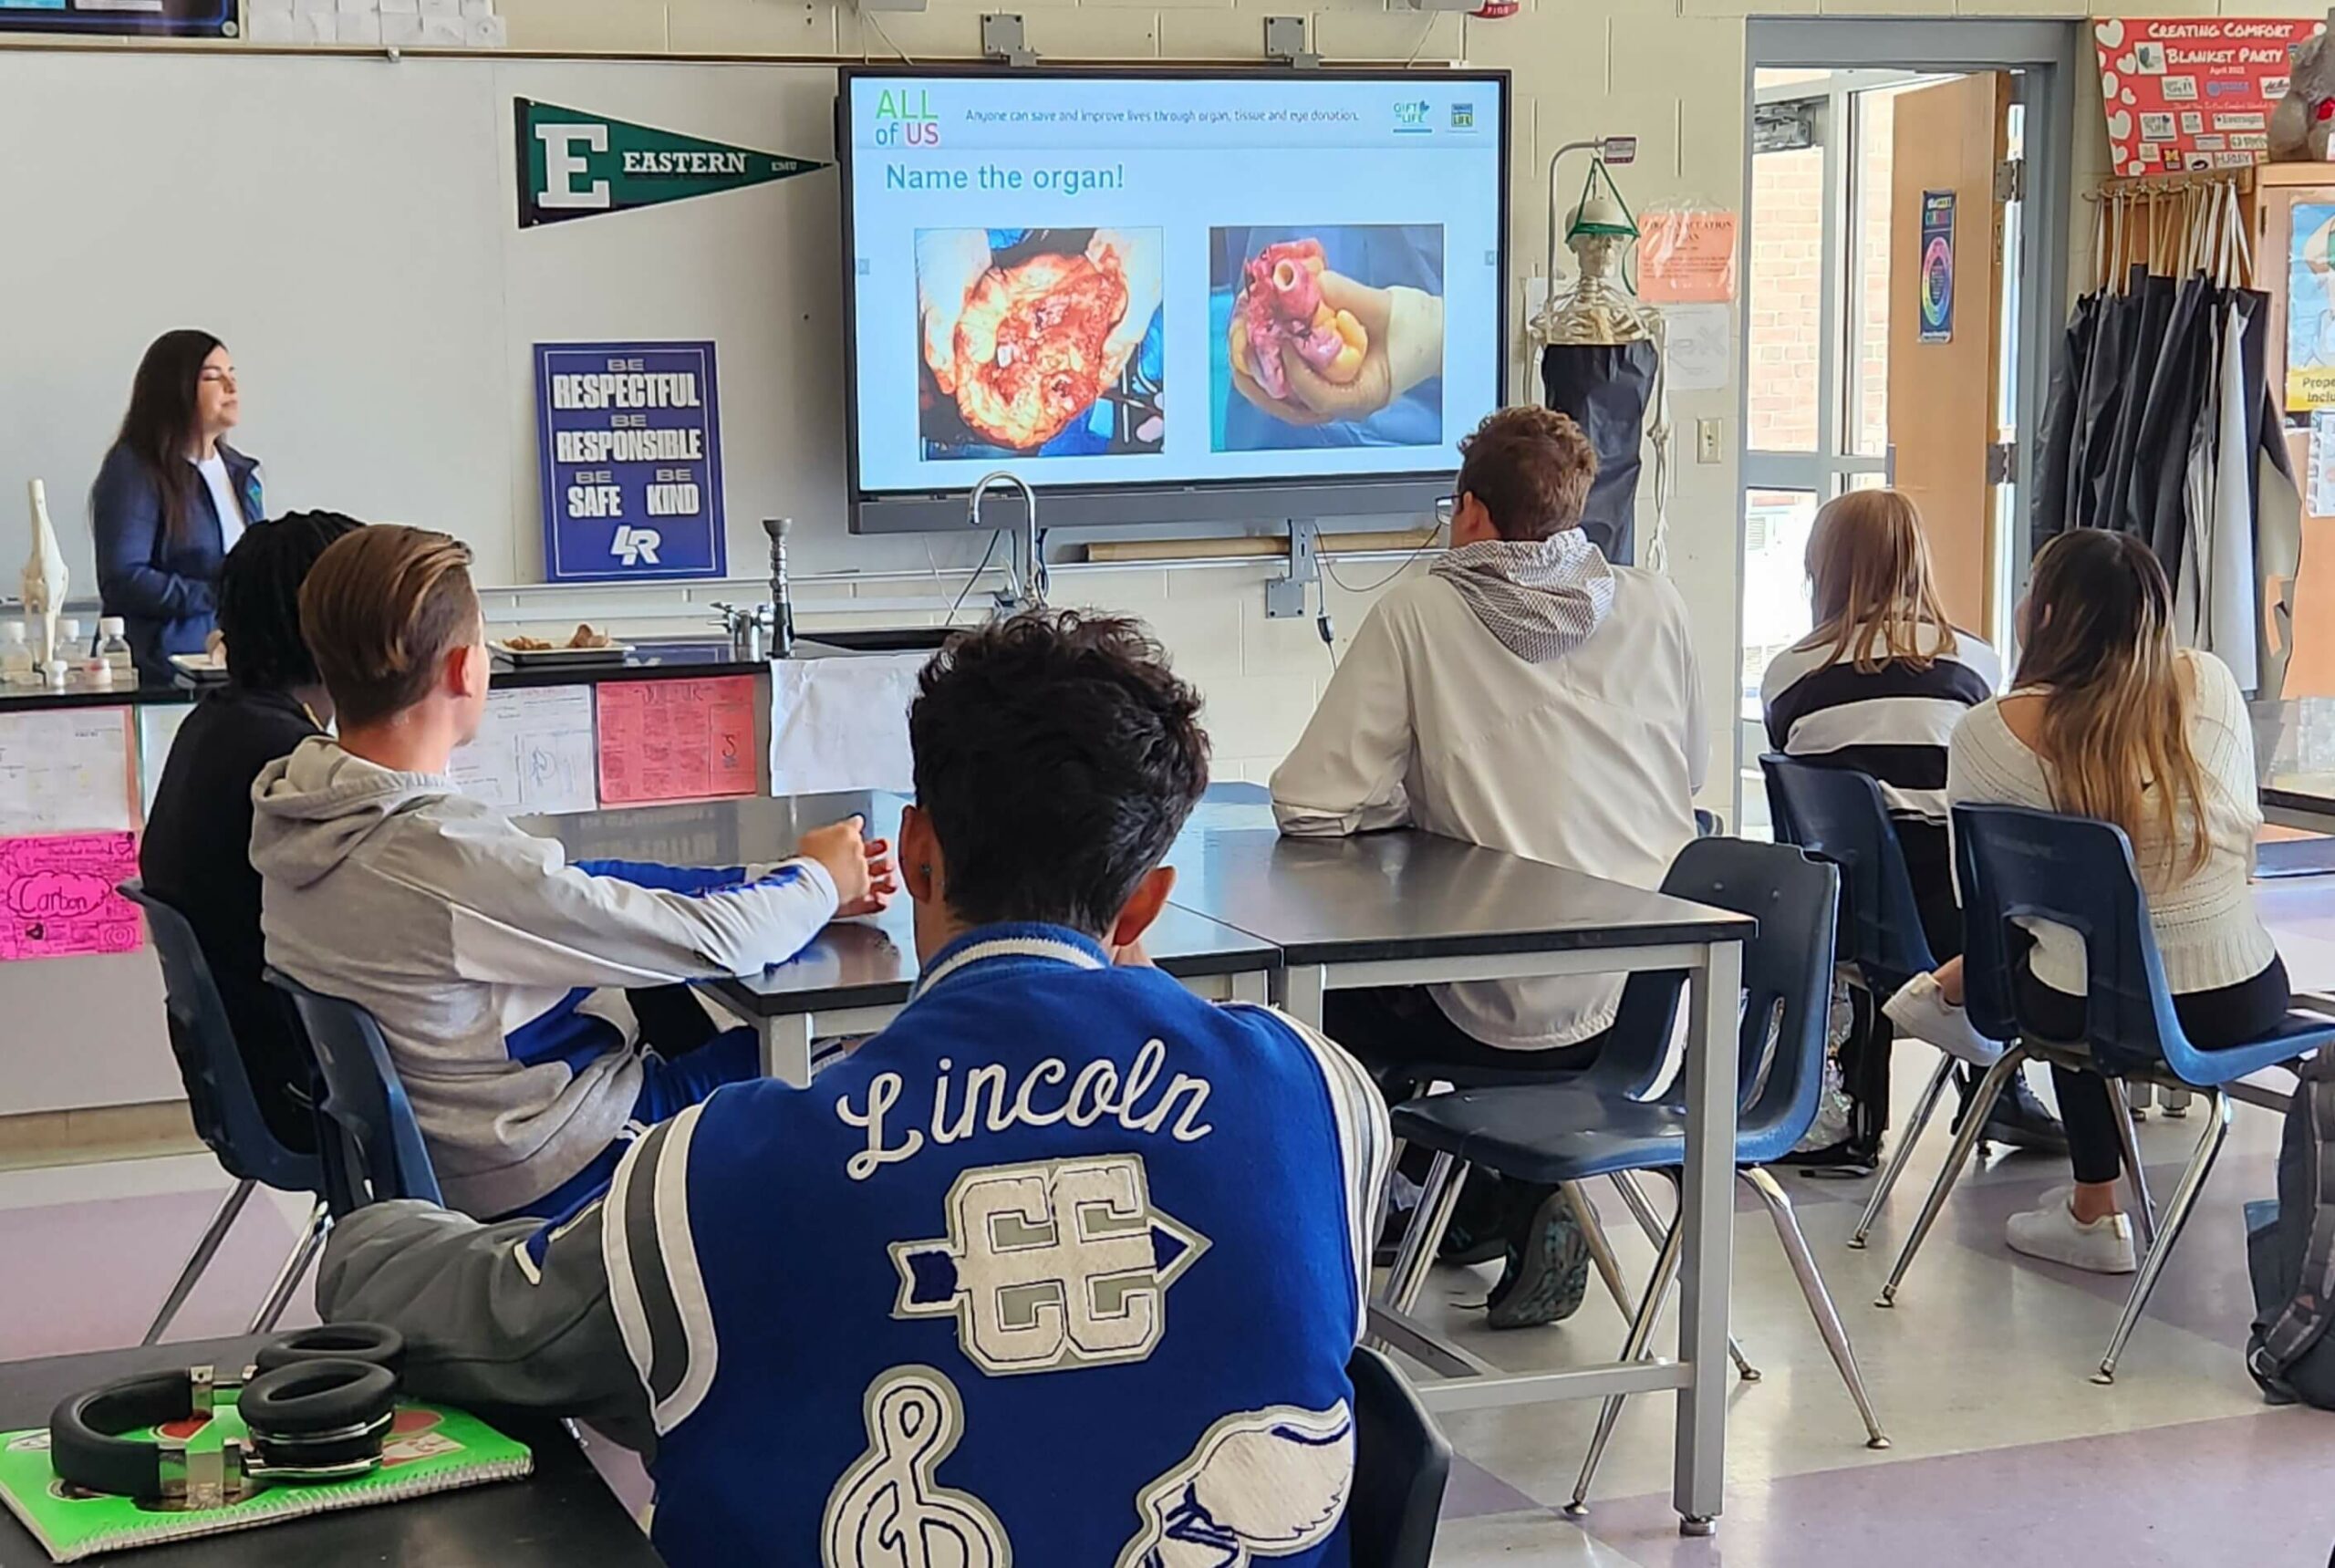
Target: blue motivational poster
x=631 y=462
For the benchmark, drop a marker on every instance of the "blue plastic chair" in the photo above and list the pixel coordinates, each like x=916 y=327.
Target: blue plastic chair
x=1838 y=814
x=2015 y=864
x=1402 y=1463
x=374 y=1152
x=1567 y=1133
x=226 y=1115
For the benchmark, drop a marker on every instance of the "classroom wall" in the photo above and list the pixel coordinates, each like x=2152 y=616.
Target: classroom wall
x=1668 y=70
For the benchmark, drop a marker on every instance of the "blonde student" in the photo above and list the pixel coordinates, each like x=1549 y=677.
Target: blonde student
x=1877 y=688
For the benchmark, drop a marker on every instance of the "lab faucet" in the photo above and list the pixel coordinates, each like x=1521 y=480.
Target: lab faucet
x=1025 y=581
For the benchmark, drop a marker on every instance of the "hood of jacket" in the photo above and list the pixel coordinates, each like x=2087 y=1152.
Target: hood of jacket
x=311 y=810
x=1540 y=597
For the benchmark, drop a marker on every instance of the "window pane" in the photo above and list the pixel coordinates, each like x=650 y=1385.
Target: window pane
x=1775 y=580
x=1785 y=298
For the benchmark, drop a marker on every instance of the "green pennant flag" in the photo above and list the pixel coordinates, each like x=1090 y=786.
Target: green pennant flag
x=578 y=165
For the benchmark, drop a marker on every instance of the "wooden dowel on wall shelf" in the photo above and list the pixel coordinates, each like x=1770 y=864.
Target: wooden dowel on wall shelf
x=1269 y=548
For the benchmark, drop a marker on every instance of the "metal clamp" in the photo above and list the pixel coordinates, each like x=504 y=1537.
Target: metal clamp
x=1285 y=44
x=1285 y=596
x=211 y=1478
x=1002 y=39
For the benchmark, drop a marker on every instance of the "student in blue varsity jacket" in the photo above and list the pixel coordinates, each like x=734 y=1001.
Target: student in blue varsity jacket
x=1063 y=1267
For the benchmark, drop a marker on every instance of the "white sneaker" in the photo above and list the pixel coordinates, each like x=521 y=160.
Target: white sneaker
x=1922 y=1011
x=2054 y=1234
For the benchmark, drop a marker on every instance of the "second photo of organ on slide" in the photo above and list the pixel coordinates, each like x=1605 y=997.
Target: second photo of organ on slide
x=1041 y=342
x=1330 y=336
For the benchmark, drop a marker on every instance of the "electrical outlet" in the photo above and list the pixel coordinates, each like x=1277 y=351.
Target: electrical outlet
x=1706 y=443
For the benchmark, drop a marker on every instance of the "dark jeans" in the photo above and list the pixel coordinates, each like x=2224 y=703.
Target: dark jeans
x=1929 y=865
x=1394 y=1028
x=2213 y=1020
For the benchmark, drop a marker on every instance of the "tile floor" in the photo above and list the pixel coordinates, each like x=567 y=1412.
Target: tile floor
x=2005 y=1453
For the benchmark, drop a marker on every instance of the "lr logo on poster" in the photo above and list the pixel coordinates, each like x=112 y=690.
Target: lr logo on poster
x=630 y=459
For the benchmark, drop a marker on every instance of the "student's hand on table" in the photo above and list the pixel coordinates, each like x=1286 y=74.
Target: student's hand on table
x=949 y=262
x=860 y=868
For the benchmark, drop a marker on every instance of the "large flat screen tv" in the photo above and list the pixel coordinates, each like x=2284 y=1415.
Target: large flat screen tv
x=1169 y=295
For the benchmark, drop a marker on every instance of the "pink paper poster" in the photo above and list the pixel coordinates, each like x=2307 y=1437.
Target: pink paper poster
x=57 y=897
x=677 y=740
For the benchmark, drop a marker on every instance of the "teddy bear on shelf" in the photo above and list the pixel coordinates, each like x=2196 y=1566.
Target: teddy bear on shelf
x=2304 y=122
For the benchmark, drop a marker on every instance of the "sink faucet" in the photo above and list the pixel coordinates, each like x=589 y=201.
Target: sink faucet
x=1025 y=582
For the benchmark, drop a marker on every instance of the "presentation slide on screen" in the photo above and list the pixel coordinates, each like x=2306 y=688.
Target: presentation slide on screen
x=1164 y=281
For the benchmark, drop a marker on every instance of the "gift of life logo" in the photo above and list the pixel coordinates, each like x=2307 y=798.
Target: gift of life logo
x=905 y=117
x=1410 y=118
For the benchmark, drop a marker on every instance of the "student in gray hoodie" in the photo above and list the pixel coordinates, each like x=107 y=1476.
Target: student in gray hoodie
x=493 y=966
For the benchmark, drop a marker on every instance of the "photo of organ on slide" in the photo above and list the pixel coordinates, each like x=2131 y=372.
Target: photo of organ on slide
x=1037 y=342
x=1325 y=336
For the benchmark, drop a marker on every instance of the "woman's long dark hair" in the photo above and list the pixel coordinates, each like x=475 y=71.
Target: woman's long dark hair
x=160 y=428
x=2115 y=725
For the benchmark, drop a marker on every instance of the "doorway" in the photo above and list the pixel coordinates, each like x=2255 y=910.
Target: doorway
x=1896 y=302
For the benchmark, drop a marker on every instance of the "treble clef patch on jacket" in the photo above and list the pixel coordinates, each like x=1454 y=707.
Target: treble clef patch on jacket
x=888 y=1511
x=1050 y=1265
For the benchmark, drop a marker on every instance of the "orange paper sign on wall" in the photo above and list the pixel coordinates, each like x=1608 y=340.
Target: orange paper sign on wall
x=1686 y=257
x=677 y=740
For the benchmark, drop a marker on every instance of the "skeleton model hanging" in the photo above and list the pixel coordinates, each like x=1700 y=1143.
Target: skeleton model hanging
x=1602 y=355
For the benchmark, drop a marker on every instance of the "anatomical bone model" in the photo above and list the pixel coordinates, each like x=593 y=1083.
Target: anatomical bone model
x=45 y=578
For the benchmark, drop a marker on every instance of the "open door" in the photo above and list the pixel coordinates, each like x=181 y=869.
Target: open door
x=1946 y=294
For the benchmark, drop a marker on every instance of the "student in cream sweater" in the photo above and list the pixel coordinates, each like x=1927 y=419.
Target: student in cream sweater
x=2108 y=719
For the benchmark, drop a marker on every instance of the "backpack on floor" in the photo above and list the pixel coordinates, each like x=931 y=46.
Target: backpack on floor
x=2291 y=1252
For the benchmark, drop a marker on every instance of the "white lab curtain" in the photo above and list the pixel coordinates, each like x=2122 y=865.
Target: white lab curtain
x=2226 y=604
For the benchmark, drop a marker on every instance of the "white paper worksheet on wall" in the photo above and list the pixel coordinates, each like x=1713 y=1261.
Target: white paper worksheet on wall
x=66 y=772
x=534 y=751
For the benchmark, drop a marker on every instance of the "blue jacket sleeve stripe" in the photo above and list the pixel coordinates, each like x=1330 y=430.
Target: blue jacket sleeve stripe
x=1365 y=1145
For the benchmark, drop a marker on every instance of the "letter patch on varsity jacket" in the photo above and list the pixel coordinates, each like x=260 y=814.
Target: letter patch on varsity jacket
x=1262 y=1483
x=888 y=1511
x=1050 y=1264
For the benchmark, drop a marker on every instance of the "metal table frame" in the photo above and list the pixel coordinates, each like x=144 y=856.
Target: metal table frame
x=1700 y=1375
x=786 y=1037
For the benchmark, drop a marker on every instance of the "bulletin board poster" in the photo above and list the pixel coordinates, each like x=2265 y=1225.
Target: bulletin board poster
x=1937 y=266
x=2311 y=309
x=58 y=896
x=677 y=740
x=2185 y=93
x=168 y=19
x=1686 y=257
x=630 y=438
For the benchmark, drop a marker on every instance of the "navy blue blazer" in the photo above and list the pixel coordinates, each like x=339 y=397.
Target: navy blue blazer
x=163 y=590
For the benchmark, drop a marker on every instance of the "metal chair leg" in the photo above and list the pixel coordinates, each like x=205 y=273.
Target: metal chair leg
x=1424 y=1235
x=1634 y=1348
x=1820 y=1299
x=1974 y=1124
x=2175 y=1101
x=221 y=1221
x=2218 y=1107
x=2135 y=1174
x=1923 y=1110
x=1600 y=1249
x=1626 y=1183
x=296 y=1268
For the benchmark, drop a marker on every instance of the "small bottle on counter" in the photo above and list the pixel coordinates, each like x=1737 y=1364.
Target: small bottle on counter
x=113 y=647
x=68 y=652
x=17 y=665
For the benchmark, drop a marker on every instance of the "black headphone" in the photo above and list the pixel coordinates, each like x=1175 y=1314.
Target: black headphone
x=316 y=1406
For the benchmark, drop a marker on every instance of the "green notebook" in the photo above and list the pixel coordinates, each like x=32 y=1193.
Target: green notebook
x=430 y=1449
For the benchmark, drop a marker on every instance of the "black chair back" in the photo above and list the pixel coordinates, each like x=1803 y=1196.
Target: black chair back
x=219 y=1091
x=1401 y=1463
x=374 y=1149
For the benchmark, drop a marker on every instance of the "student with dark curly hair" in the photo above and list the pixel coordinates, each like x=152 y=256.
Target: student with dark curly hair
x=196 y=855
